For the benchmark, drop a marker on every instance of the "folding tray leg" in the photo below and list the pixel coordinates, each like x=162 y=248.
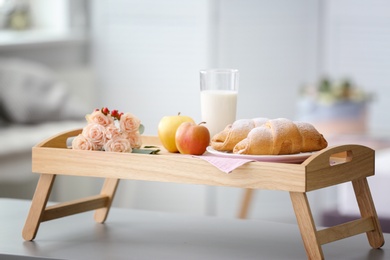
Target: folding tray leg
x=367 y=210
x=108 y=189
x=38 y=205
x=245 y=204
x=306 y=225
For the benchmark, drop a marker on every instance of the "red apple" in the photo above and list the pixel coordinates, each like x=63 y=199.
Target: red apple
x=192 y=138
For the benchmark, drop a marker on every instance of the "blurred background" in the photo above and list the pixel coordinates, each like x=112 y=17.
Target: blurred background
x=323 y=61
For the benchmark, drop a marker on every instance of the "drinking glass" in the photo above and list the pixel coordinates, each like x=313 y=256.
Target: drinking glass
x=218 y=98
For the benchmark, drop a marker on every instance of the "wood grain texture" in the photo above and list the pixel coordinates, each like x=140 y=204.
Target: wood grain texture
x=306 y=225
x=345 y=230
x=321 y=173
x=51 y=157
x=74 y=207
x=367 y=210
x=59 y=140
x=38 y=205
x=108 y=191
x=315 y=173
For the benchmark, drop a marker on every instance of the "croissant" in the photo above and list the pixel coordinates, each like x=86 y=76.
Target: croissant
x=281 y=136
x=234 y=133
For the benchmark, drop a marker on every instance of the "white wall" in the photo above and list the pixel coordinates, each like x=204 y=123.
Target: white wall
x=274 y=45
x=148 y=54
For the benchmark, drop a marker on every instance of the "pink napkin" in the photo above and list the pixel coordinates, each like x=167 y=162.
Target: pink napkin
x=226 y=165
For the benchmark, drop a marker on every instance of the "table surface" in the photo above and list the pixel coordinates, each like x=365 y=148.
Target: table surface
x=136 y=234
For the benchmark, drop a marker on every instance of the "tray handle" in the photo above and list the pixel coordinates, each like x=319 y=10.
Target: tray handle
x=59 y=140
x=335 y=165
x=333 y=156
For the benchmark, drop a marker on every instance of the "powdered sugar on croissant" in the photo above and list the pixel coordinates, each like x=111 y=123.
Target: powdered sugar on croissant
x=281 y=136
x=312 y=140
x=234 y=133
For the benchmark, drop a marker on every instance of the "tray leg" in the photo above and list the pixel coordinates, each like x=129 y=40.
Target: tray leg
x=306 y=225
x=367 y=209
x=246 y=201
x=109 y=189
x=38 y=205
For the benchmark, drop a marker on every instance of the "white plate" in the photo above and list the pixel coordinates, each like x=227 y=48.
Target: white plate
x=288 y=158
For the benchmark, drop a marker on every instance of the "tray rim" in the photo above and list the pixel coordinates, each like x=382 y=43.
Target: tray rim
x=51 y=156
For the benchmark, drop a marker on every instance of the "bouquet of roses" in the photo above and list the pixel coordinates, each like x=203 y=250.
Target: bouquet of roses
x=109 y=131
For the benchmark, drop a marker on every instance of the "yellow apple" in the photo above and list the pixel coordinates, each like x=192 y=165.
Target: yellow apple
x=192 y=139
x=167 y=130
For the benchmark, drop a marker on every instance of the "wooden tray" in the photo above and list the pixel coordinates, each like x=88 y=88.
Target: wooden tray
x=328 y=167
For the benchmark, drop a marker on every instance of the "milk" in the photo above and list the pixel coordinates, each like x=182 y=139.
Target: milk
x=218 y=109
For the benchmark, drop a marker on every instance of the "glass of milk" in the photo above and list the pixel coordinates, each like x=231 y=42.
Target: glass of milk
x=218 y=98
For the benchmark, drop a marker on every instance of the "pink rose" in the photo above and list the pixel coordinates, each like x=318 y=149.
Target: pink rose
x=80 y=142
x=134 y=139
x=99 y=118
x=112 y=132
x=129 y=123
x=118 y=144
x=96 y=133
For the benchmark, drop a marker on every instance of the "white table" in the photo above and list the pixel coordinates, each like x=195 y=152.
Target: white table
x=135 y=234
